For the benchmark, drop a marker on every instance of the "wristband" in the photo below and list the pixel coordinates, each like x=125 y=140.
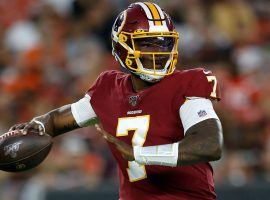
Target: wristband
x=164 y=155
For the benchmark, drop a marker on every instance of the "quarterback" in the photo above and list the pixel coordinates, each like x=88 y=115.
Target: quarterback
x=159 y=122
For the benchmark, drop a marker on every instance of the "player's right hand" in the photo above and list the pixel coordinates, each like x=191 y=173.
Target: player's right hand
x=125 y=149
x=27 y=126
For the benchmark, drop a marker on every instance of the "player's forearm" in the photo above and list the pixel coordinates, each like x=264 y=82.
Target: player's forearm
x=58 y=121
x=202 y=144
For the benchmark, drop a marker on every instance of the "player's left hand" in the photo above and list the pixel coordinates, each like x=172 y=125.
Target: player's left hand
x=125 y=149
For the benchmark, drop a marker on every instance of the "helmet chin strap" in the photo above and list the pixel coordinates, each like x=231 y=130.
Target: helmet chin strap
x=150 y=78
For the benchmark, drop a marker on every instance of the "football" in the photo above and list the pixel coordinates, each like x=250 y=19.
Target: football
x=22 y=152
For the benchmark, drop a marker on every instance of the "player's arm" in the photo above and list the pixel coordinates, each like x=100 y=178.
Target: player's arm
x=202 y=142
x=203 y=133
x=63 y=119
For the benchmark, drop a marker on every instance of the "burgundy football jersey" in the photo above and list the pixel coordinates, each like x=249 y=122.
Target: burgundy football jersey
x=151 y=117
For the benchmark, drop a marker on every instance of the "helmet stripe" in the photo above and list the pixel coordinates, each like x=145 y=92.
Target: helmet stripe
x=155 y=13
x=160 y=11
x=147 y=12
x=162 y=16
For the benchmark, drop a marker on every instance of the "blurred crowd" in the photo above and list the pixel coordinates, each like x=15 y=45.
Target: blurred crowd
x=52 y=51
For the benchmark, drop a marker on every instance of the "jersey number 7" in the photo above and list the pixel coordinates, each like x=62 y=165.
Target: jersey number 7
x=140 y=126
x=214 y=91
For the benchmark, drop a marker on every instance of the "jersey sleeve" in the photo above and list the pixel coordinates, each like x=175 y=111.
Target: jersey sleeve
x=203 y=84
x=101 y=91
x=195 y=110
x=83 y=112
x=96 y=85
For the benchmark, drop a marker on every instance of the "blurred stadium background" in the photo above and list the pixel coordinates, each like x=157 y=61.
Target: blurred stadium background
x=51 y=51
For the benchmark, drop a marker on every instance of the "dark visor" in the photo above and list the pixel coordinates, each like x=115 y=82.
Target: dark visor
x=154 y=44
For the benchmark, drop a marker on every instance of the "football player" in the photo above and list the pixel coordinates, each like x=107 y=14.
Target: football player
x=159 y=122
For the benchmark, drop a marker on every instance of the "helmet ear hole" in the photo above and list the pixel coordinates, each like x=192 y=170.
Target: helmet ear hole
x=123 y=38
x=128 y=62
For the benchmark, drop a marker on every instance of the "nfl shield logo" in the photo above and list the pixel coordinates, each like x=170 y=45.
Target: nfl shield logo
x=133 y=100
